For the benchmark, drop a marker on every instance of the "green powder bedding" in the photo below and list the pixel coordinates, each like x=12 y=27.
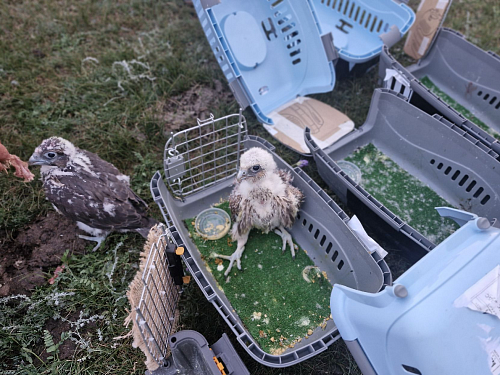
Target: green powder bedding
x=270 y=294
x=458 y=107
x=403 y=194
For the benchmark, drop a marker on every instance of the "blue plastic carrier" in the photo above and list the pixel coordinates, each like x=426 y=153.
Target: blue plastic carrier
x=423 y=323
x=276 y=50
x=270 y=51
x=361 y=27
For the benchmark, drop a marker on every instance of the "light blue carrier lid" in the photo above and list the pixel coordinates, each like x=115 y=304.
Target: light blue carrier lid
x=270 y=51
x=440 y=317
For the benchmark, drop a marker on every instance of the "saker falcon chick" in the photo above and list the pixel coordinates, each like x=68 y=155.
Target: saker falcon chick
x=89 y=190
x=263 y=198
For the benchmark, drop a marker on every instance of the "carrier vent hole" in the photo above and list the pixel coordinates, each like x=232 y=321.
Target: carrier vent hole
x=478 y=192
x=329 y=248
x=471 y=186
x=463 y=180
x=412 y=370
x=323 y=239
x=485 y=200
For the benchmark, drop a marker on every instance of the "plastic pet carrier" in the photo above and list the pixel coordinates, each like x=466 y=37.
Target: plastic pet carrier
x=464 y=72
x=397 y=78
x=272 y=54
x=430 y=149
x=200 y=167
x=361 y=27
x=156 y=319
x=440 y=317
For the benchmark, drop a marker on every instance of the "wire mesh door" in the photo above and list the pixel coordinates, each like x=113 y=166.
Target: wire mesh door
x=157 y=309
x=199 y=157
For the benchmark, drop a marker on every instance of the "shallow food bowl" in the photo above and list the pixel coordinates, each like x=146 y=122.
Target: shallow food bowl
x=212 y=223
x=351 y=170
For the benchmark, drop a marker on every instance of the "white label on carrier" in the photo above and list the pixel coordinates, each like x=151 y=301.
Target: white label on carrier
x=483 y=296
x=442 y=4
x=423 y=45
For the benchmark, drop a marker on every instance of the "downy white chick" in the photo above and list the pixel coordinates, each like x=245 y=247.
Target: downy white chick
x=89 y=190
x=263 y=198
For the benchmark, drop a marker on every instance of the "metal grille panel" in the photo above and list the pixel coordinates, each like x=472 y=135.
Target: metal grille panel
x=157 y=308
x=201 y=156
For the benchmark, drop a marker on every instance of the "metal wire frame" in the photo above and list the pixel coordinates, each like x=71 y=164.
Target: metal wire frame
x=201 y=156
x=156 y=313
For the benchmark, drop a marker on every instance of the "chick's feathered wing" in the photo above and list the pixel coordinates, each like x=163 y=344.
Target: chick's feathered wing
x=283 y=207
x=99 y=201
x=264 y=198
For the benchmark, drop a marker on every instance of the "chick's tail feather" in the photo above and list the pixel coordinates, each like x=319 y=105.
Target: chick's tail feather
x=144 y=231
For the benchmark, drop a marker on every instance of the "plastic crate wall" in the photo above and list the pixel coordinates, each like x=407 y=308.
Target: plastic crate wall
x=423 y=98
x=333 y=245
x=157 y=309
x=446 y=159
x=473 y=80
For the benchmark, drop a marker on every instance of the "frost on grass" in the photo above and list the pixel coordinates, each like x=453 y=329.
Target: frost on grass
x=405 y=195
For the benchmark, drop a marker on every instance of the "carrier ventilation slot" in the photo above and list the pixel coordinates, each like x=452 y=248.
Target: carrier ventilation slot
x=287 y=28
x=464 y=181
x=317 y=234
x=355 y=13
x=411 y=370
x=492 y=101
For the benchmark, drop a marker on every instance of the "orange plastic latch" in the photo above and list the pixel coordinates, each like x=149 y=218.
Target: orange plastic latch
x=220 y=366
x=179 y=251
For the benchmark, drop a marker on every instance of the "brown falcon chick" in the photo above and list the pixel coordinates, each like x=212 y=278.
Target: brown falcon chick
x=89 y=190
x=263 y=198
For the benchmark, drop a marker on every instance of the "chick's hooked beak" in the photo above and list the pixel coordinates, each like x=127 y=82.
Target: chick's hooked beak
x=241 y=174
x=35 y=159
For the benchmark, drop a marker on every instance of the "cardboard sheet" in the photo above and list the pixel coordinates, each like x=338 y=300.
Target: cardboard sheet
x=326 y=123
x=430 y=16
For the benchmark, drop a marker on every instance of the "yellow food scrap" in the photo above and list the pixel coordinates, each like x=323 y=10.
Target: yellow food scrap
x=272 y=339
x=309 y=332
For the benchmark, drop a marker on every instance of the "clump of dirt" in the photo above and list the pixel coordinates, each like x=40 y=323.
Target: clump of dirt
x=35 y=250
x=197 y=102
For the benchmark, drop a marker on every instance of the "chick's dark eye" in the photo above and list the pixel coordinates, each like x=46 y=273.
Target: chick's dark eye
x=256 y=168
x=51 y=154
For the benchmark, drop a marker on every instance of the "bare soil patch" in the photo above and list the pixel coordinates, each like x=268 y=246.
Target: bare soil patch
x=197 y=102
x=35 y=250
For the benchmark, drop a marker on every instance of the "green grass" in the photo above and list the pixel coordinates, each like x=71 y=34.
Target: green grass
x=403 y=194
x=458 y=107
x=270 y=295
x=48 y=86
x=88 y=298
